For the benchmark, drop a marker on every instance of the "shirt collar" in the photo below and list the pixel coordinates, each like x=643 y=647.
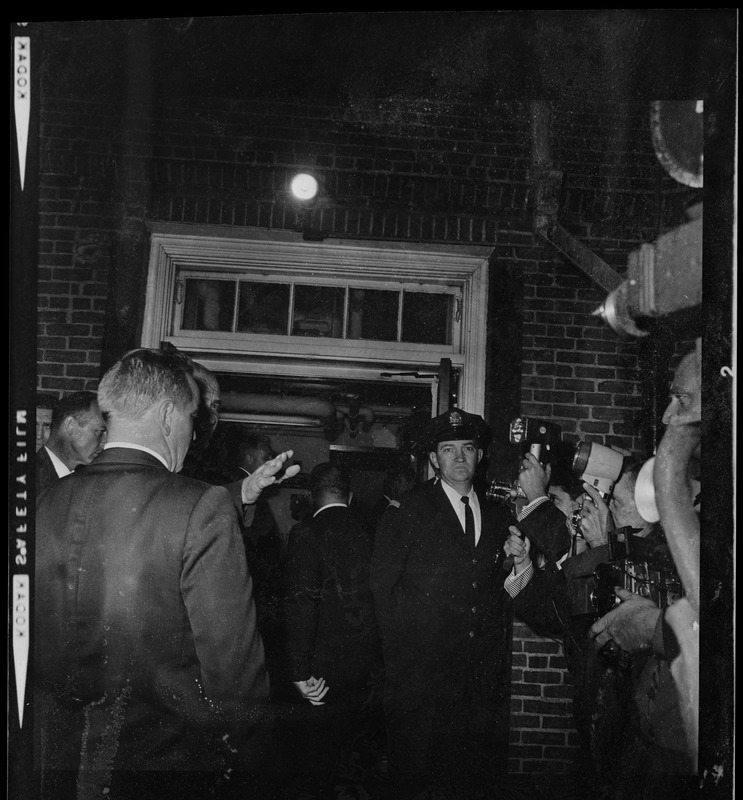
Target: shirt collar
x=453 y=494
x=132 y=446
x=330 y=505
x=59 y=466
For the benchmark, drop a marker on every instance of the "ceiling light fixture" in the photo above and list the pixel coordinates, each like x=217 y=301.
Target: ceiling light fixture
x=304 y=186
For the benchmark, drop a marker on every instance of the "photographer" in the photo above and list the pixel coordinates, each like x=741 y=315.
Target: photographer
x=666 y=689
x=545 y=523
x=611 y=679
x=545 y=594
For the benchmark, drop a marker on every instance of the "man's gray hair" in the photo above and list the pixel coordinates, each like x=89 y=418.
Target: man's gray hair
x=143 y=377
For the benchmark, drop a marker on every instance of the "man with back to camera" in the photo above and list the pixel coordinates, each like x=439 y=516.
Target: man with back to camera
x=76 y=436
x=209 y=466
x=248 y=451
x=437 y=581
x=332 y=636
x=148 y=664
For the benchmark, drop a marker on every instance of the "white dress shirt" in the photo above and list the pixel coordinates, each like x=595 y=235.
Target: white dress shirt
x=458 y=506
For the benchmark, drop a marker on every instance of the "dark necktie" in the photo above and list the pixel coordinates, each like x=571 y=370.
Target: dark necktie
x=469 y=520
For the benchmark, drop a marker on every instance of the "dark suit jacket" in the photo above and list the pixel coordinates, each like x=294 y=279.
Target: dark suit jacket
x=546 y=527
x=45 y=472
x=550 y=604
x=246 y=513
x=145 y=619
x=442 y=611
x=330 y=623
x=386 y=519
x=628 y=717
x=547 y=603
x=446 y=626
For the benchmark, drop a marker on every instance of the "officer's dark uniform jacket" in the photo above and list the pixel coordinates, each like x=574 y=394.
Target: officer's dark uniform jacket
x=444 y=616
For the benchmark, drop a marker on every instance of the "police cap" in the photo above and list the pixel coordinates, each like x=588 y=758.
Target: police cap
x=455 y=425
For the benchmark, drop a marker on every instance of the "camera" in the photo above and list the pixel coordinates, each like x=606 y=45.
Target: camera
x=538 y=434
x=541 y=437
x=662 y=278
x=598 y=465
x=633 y=565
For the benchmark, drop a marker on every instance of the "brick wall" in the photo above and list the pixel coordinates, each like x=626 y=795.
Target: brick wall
x=543 y=739
x=424 y=173
x=419 y=172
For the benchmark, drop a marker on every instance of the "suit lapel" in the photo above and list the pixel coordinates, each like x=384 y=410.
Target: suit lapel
x=491 y=536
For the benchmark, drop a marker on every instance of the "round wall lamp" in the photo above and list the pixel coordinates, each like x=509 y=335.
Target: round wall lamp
x=304 y=186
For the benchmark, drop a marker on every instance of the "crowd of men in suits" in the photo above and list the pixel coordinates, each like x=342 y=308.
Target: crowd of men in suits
x=155 y=624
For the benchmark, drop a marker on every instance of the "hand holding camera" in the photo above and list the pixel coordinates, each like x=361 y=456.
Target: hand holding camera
x=534 y=477
x=598 y=465
x=631 y=624
x=594 y=517
x=517 y=548
x=539 y=437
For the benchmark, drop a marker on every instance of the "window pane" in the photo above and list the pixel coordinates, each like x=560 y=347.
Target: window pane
x=318 y=311
x=208 y=305
x=372 y=314
x=264 y=308
x=426 y=318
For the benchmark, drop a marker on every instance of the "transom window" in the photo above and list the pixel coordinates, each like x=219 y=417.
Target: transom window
x=266 y=302
x=413 y=314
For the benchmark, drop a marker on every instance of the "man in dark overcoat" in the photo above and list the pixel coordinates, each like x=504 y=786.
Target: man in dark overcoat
x=437 y=579
x=149 y=668
x=332 y=636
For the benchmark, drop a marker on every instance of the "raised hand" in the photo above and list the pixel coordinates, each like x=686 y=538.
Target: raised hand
x=266 y=475
x=533 y=477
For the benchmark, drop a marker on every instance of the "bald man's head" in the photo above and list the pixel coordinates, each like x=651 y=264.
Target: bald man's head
x=686 y=392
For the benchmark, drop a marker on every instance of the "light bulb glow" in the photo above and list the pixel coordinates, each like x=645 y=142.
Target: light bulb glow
x=304 y=186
